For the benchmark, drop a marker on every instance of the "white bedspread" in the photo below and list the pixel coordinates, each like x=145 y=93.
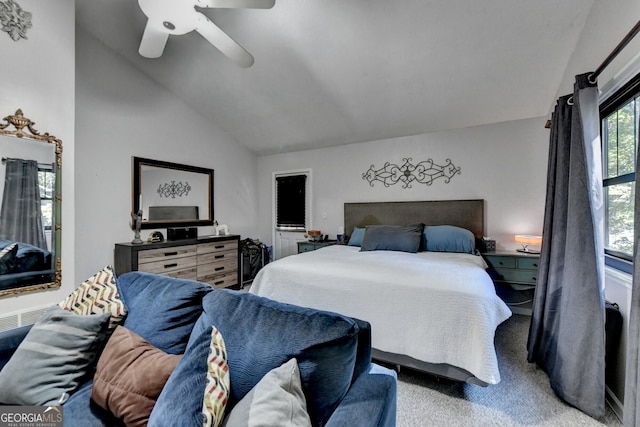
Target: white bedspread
x=432 y=306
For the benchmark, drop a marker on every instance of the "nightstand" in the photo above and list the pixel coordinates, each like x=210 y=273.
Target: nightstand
x=515 y=275
x=312 y=246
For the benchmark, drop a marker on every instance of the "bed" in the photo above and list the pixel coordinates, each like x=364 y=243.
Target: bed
x=22 y=264
x=432 y=311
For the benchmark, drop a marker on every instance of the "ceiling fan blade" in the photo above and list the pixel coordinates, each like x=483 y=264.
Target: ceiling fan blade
x=223 y=42
x=237 y=4
x=153 y=42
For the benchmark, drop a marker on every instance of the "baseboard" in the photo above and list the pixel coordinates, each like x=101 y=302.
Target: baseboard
x=614 y=403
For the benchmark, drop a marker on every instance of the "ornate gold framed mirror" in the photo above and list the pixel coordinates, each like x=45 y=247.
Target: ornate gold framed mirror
x=30 y=207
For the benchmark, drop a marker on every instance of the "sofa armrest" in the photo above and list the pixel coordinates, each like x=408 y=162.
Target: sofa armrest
x=371 y=400
x=9 y=342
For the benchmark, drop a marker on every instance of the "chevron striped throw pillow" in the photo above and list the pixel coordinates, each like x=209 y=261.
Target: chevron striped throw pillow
x=97 y=295
x=216 y=392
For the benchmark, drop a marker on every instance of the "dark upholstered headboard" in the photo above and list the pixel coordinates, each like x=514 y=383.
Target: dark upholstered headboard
x=468 y=214
x=163 y=213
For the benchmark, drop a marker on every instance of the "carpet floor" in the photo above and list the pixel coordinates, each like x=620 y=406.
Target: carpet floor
x=522 y=398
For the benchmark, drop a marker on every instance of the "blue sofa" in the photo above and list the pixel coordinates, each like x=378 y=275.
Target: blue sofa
x=341 y=386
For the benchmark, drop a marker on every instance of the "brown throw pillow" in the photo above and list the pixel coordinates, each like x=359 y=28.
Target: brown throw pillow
x=130 y=376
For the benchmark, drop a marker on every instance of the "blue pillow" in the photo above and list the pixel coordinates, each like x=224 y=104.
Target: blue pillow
x=449 y=238
x=161 y=309
x=53 y=359
x=392 y=238
x=8 y=258
x=356 y=237
x=261 y=334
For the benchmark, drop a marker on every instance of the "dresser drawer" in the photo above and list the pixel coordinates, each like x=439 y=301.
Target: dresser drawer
x=186 y=273
x=169 y=264
x=222 y=280
x=218 y=256
x=226 y=246
x=212 y=270
x=154 y=255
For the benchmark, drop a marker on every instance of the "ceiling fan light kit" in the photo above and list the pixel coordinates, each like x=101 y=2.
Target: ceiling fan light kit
x=178 y=17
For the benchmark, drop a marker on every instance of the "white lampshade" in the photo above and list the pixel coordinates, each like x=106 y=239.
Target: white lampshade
x=526 y=240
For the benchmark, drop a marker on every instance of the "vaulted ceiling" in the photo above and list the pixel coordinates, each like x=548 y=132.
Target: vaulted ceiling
x=332 y=72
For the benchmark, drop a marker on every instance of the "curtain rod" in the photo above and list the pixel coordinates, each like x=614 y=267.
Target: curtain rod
x=4 y=160
x=623 y=43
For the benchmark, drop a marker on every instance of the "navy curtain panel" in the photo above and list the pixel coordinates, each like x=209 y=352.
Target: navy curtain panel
x=566 y=335
x=21 y=213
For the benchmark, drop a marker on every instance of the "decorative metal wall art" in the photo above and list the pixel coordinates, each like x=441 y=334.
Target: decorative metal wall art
x=172 y=190
x=424 y=172
x=14 y=20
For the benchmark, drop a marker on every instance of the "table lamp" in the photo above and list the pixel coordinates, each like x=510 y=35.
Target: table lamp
x=525 y=240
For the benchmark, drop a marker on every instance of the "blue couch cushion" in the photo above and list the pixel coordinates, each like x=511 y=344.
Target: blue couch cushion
x=261 y=334
x=184 y=391
x=9 y=342
x=162 y=309
x=374 y=394
x=81 y=411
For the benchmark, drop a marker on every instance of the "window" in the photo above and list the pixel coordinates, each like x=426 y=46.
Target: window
x=291 y=198
x=46 y=182
x=620 y=116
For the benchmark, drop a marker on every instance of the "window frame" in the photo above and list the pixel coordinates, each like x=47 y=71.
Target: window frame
x=48 y=169
x=613 y=258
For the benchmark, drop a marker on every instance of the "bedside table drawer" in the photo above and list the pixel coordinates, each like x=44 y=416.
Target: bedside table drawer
x=528 y=263
x=518 y=276
x=500 y=261
x=312 y=246
x=306 y=248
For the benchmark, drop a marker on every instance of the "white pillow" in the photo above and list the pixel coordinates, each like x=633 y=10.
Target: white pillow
x=277 y=400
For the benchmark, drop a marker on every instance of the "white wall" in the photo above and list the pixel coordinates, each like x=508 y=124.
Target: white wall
x=38 y=76
x=505 y=164
x=120 y=113
x=607 y=24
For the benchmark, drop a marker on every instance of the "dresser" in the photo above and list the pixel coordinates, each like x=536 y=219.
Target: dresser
x=213 y=260
x=515 y=275
x=312 y=246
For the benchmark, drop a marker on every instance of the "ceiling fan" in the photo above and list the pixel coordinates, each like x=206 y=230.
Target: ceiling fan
x=178 y=17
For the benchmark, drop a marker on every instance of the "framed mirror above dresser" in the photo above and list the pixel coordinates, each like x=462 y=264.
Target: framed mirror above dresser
x=171 y=194
x=30 y=207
